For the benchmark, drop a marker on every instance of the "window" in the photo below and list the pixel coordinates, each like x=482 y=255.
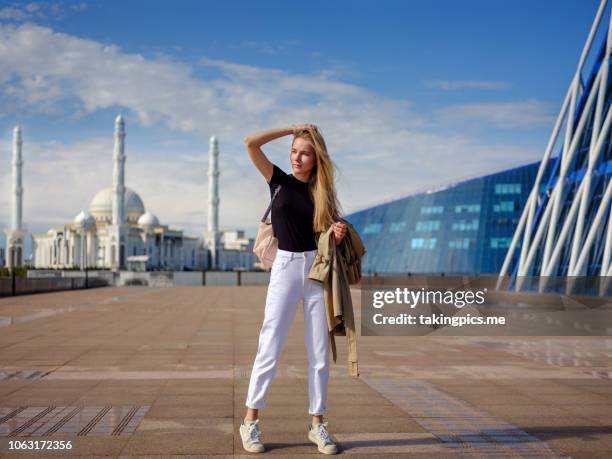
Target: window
x=467 y=208
x=505 y=206
x=463 y=225
x=397 y=227
x=423 y=243
x=432 y=210
x=500 y=242
x=428 y=225
x=507 y=188
x=459 y=243
x=372 y=228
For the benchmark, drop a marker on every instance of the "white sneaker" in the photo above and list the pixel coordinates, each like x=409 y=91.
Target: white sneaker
x=252 y=438
x=319 y=435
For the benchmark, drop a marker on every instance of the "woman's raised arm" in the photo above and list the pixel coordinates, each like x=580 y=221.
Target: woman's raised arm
x=254 y=142
x=253 y=145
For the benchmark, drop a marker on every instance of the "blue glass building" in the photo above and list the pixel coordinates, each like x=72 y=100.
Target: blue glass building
x=465 y=228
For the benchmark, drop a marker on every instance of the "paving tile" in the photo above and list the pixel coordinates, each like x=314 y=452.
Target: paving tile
x=198 y=411
x=391 y=443
x=194 y=400
x=194 y=441
x=187 y=354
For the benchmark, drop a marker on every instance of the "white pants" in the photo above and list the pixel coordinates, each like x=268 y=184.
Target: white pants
x=289 y=283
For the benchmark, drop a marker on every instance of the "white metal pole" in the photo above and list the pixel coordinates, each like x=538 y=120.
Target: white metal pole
x=531 y=208
x=603 y=207
x=597 y=121
x=571 y=214
x=556 y=199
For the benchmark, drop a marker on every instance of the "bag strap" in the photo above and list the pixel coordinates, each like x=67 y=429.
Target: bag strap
x=263 y=220
x=270 y=205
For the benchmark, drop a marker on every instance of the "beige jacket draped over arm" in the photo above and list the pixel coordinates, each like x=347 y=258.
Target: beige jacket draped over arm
x=339 y=266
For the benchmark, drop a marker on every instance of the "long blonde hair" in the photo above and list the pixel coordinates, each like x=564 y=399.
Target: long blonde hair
x=327 y=208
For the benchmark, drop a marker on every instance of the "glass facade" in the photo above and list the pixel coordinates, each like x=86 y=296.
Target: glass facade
x=466 y=228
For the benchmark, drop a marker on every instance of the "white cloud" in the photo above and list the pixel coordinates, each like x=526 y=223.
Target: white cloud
x=35 y=10
x=507 y=115
x=449 y=85
x=11 y=12
x=381 y=145
x=79 y=6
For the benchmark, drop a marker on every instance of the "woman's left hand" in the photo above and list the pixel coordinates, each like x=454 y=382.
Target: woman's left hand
x=339 y=230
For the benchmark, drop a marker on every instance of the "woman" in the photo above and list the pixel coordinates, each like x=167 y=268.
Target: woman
x=305 y=206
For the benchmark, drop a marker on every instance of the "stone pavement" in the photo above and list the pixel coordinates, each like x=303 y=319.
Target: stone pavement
x=139 y=371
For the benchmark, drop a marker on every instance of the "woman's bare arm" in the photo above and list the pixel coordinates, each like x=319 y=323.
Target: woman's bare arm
x=254 y=142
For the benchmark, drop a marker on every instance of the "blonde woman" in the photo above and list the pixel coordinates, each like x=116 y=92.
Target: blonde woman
x=305 y=206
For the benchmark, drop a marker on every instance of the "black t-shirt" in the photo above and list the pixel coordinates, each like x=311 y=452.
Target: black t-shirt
x=292 y=213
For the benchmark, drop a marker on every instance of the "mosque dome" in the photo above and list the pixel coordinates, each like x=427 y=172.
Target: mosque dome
x=101 y=206
x=148 y=219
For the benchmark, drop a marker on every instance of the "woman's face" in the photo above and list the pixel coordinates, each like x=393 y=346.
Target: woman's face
x=302 y=156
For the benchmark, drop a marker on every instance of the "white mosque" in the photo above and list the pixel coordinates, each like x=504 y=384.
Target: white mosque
x=92 y=239
x=119 y=232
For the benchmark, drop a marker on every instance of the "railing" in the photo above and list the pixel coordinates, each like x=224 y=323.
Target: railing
x=40 y=282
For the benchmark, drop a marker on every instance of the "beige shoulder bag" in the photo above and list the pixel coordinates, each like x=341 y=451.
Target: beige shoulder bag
x=266 y=243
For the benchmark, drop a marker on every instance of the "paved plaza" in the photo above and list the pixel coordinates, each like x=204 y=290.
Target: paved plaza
x=144 y=372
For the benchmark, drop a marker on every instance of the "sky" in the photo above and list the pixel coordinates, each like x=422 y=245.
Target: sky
x=409 y=95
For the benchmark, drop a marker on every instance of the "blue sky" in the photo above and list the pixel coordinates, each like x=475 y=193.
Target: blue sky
x=408 y=94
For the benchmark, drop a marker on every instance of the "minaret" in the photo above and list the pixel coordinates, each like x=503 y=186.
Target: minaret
x=119 y=173
x=213 y=236
x=15 y=235
x=118 y=230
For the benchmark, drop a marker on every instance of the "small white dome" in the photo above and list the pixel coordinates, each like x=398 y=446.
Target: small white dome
x=148 y=219
x=80 y=218
x=84 y=219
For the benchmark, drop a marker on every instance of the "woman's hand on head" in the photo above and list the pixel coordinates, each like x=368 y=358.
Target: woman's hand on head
x=301 y=127
x=339 y=230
